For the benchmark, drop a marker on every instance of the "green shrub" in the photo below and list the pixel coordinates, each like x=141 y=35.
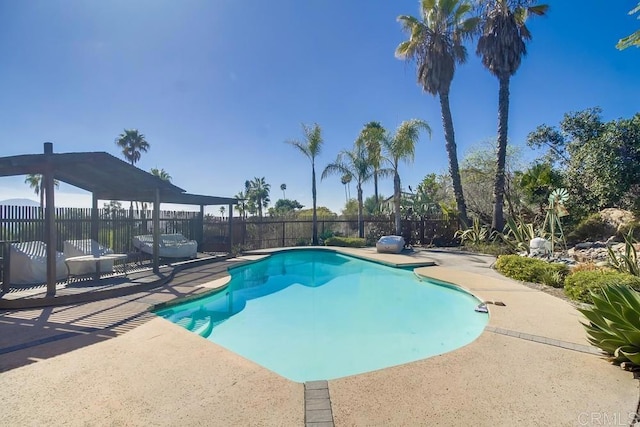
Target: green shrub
x=578 y=285
x=490 y=248
x=302 y=242
x=346 y=242
x=531 y=269
x=591 y=228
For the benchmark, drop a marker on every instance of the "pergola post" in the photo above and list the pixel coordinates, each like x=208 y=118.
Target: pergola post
x=156 y=232
x=49 y=222
x=230 y=248
x=201 y=229
x=94 y=217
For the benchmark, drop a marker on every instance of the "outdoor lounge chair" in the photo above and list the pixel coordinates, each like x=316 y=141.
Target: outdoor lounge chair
x=390 y=244
x=28 y=263
x=170 y=245
x=75 y=248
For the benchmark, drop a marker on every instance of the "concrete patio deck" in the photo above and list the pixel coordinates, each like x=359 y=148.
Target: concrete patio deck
x=112 y=362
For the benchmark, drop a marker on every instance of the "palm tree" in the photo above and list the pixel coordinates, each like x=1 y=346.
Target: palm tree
x=346 y=179
x=258 y=193
x=242 y=205
x=356 y=164
x=436 y=44
x=133 y=144
x=401 y=146
x=502 y=46
x=36 y=184
x=283 y=187
x=222 y=209
x=311 y=147
x=161 y=173
x=371 y=137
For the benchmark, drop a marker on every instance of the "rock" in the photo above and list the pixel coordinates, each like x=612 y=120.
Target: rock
x=602 y=264
x=583 y=245
x=539 y=247
x=616 y=217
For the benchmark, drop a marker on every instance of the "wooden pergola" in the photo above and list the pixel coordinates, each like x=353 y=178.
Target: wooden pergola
x=106 y=178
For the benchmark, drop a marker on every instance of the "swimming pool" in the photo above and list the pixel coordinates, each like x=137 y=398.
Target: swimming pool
x=314 y=314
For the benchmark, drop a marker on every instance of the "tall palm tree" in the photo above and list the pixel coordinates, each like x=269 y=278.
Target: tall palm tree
x=258 y=194
x=401 y=146
x=133 y=144
x=502 y=46
x=242 y=205
x=436 y=45
x=161 y=173
x=371 y=137
x=283 y=187
x=36 y=184
x=311 y=147
x=345 y=180
x=356 y=164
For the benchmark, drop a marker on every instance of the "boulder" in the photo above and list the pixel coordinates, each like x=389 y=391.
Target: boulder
x=539 y=247
x=616 y=218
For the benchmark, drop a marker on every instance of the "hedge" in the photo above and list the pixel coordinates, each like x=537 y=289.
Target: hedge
x=531 y=269
x=578 y=285
x=348 y=242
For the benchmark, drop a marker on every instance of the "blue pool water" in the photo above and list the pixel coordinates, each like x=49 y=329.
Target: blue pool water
x=313 y=314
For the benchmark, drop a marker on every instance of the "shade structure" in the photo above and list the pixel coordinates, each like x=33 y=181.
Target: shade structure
x=106 y=178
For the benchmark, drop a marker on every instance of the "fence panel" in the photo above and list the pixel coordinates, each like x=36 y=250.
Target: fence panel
x=253 y=233
x=116 y=228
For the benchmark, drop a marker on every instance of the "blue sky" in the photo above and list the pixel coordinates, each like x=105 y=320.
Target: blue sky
x=216 y=86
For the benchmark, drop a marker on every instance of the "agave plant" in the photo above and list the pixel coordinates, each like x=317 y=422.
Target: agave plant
x=627 y=262
x=615 y=323
x=475 y=234
x=517 y=234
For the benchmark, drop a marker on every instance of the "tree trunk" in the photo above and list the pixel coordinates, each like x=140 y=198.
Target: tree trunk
x=314 y=239
x=375 y=189
x=497 y=222
x=454 y=169
x=396 y=203
x=360 y=215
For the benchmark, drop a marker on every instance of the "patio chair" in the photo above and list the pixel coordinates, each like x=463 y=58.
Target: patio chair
x=74 y=248
x=170 y=245
x=28 y=263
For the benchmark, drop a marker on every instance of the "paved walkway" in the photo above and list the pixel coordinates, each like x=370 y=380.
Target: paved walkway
x=111 y=362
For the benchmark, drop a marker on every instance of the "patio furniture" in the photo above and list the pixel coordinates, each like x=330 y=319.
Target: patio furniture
x=28 y=263
x=5 y=267
x=92 y=264
x=170 y=245
x=78 y=248
x=390 y=244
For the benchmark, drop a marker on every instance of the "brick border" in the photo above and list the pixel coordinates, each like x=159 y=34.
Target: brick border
x=317 y=404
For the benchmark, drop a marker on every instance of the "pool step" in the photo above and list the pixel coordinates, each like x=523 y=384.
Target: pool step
x=317 y=404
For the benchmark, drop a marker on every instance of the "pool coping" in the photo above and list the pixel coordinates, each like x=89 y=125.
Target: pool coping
x=521 y=375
